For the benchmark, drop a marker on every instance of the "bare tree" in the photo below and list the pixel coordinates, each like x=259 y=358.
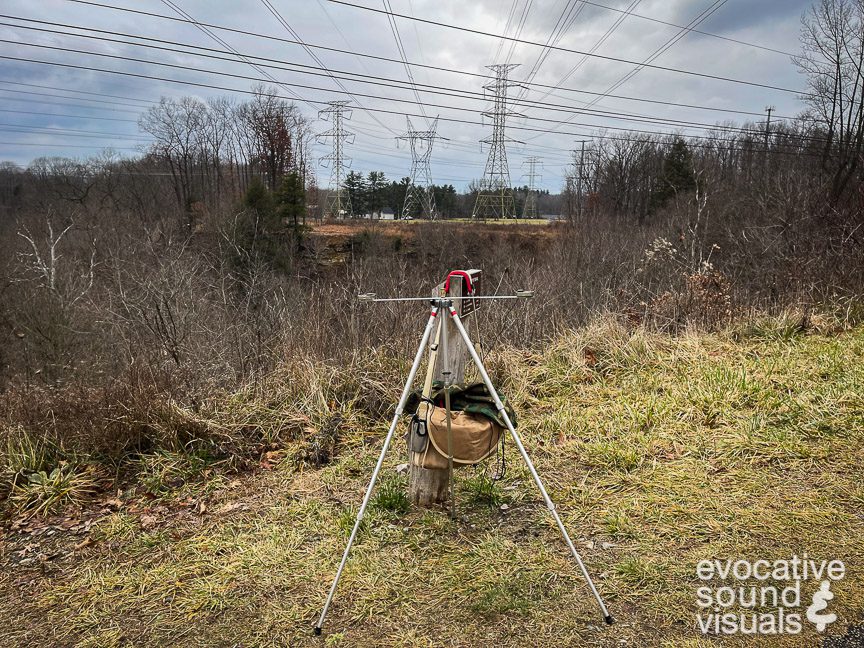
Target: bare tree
x=43 y=260
x=178 y=128
x=272 y=122
x=833 y=53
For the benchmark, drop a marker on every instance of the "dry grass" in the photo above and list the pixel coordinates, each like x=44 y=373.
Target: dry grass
x=658 y=451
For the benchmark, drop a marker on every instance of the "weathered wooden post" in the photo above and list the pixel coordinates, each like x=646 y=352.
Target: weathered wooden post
x=429 y=486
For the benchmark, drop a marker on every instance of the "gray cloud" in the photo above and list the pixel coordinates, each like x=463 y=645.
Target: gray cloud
x=750 y=14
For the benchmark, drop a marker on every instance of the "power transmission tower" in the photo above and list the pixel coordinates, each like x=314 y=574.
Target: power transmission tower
x=529 y=210
x=495 y=196
x=420 y=192
x=338 y=200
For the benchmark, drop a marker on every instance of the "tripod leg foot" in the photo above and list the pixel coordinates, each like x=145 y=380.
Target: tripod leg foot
x=608 y=618
x=317 y=631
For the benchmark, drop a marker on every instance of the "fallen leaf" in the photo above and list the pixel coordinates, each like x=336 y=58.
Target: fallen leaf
x=148 y=521
x=21 y=524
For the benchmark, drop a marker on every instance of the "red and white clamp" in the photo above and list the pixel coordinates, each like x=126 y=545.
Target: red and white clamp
x=466 y=277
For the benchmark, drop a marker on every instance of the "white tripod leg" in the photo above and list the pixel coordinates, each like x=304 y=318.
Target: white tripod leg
x=549 y=505
x=417 y=359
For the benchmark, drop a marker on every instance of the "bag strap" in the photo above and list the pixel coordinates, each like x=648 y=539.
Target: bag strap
x=426 y=395
x=423 y=408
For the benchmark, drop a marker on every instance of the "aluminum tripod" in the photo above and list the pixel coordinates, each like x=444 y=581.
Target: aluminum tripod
x=446 y=304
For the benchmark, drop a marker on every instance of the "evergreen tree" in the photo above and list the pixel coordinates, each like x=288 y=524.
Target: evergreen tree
x=258 y=202
x=263 y=238
x=446 y=200
x=395 y=196
x=376 y=186
x=291 y=198
x=355 y=185
x=677 y=176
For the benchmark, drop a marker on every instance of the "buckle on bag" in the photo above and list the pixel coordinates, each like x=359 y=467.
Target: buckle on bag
x=418 y=435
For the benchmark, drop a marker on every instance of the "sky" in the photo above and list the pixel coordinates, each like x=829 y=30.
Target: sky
x=52 y=110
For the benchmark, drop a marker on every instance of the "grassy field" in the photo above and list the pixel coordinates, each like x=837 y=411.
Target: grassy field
x=659 y=452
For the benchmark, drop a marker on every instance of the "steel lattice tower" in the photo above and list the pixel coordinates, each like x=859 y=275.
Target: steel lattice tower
x=338 y=201
x=529 y=210
x=495 y=197
x=420 y=191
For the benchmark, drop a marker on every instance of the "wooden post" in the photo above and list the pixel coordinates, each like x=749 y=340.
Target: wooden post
x=427 y=487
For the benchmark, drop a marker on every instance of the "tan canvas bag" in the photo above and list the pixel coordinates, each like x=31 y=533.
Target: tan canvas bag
x=474 y=439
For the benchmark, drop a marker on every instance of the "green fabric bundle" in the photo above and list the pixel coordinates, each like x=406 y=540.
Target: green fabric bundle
x=473 y=398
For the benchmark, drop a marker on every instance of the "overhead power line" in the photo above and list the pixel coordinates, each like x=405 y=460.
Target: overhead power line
x=704 y=15
x=510 y=16
x=69 y=130
x=390 y=60
x=616 y=59
x=401 y=48
x=360 y=78
x=46 y=114
x=208 y=32
x=95 y=94
x=65 y=146
x=198 y=84
x=33 y=97
x=715 y=6
x=519 y=29
x=269 y=5
x=56 y=133
x=695 y=31
x=568 y=16
x=368 y=95
x=594 y=48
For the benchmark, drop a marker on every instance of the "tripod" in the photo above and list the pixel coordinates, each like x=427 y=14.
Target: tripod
x=446 y=304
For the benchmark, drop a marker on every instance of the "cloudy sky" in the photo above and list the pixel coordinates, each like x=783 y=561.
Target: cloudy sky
x=62 y=110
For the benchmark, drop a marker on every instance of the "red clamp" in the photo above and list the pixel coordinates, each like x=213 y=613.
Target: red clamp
x=459 y=273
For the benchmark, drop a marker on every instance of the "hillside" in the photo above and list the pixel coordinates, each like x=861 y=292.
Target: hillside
x=659 y=451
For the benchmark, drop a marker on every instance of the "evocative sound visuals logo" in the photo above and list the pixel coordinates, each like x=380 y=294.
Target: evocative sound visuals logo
x=820 y=602
x=764 y=597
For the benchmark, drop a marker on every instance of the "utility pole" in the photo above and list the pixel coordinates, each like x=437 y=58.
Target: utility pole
x=338 y=200
x=495 y=197
x=530 y=208
x=420 y=191
x=581 y=178
x=769 y=110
